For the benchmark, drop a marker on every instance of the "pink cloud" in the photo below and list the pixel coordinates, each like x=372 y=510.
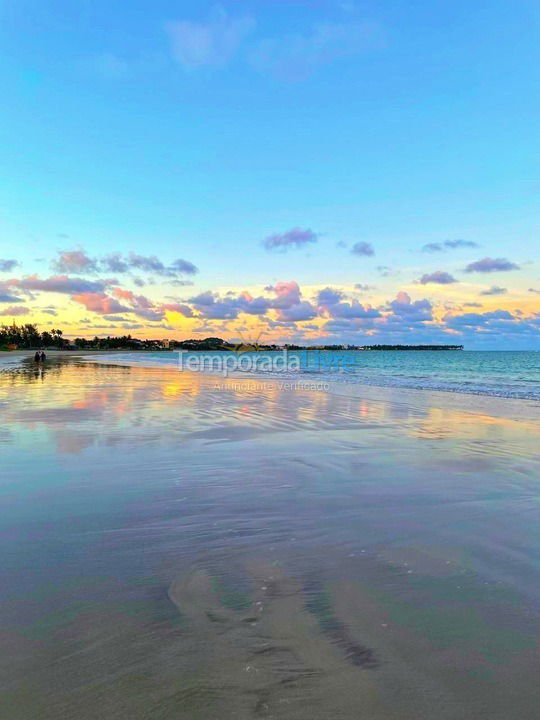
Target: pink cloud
x=99 y=303
x=74 y=261
x=288 y=293
x=177 y=307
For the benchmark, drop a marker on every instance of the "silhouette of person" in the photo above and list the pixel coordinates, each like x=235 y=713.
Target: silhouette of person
x=42 y=356
x=37 y=356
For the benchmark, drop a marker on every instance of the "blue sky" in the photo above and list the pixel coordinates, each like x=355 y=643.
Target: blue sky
x=196 y=131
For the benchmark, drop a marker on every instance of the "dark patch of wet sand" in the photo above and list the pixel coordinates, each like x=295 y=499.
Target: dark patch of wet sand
x=272 y=659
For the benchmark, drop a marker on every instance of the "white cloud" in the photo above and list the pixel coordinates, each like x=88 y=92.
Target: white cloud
x=294 y=57
x=214 y=43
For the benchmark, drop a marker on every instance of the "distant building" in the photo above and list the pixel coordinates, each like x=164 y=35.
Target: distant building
x=165 y=344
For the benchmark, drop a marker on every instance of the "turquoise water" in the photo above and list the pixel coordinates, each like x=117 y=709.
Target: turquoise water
x=500 y=374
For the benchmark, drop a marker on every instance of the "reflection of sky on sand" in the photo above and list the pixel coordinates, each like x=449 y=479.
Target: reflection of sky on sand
x=418 y=522
x=100 y=403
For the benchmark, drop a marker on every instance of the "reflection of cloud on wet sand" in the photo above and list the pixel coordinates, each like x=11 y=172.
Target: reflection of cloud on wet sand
x=439 y=423
x=103 y=401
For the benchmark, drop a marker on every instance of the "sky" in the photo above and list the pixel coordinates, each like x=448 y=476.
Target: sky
x=294 y=171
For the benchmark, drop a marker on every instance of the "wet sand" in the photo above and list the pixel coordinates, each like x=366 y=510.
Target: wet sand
x=176 y=546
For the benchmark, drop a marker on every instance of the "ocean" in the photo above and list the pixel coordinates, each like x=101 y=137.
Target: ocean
x=510 y=374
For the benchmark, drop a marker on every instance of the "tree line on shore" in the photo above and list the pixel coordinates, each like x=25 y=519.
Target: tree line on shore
x=28 y=336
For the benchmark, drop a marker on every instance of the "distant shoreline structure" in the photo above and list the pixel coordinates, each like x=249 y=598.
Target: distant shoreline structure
x=412 y=347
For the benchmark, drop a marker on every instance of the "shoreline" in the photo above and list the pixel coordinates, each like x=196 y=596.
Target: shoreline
x=476 y=404
x=334 y=379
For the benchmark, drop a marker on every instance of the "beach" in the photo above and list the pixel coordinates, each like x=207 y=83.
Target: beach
x=195 y=546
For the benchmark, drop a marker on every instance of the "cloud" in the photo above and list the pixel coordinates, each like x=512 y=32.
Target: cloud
x=99 y=303
x=448 y=245
x=152 y=264
x=295 y=56
x=438 y=277
x=303 y=310
x=139 y=301
x=287 y=294
x=60 y=284
x=114 y=263
x=117 y=263
x=294 y=238
x=362 y=248
x=364 y=288
x=7 y=265
x=184 y=267
x=253 y=305
x=150 y=314
x=330 y=303
x=354 y=309
x=115 y=318
x=386 y=271
x=212 y=43
x=140 y=305
x=494 y=290
x=7 y=297
x=177 y=307
x=74 y=261
x=500 y=326
x=432 y=247
x=148 y=263
x=488 y=265
x=348 y=328
x=15 y=310
x=287 y=297
x=476 y=320
x=460 y=244
x=329 y=296
x=203 y=299
x=412 y=312
x=533 y=290
x=211 y=306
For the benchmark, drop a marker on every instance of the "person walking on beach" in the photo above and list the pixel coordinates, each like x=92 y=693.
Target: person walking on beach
x=42 y=356
x=37 y=356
